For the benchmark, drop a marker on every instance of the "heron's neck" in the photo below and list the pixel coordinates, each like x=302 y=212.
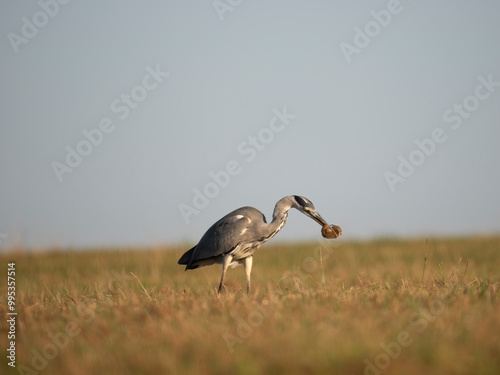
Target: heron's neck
x=280 y=214
x=279 y=221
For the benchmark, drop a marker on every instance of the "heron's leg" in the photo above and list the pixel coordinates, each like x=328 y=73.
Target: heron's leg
x=248 y=270
x=226 y=261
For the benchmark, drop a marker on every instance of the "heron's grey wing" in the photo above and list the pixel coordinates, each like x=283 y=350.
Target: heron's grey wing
x=223 y=236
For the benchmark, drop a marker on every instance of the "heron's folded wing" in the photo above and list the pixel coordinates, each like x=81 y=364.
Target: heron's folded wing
x=222 y=237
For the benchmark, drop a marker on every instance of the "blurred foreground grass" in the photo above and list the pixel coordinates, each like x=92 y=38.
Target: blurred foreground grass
x=329 y=307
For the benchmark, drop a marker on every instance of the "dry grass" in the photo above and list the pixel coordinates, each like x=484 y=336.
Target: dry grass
x=311 y=312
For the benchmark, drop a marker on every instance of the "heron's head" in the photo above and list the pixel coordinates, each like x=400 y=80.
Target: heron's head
x=305 y=206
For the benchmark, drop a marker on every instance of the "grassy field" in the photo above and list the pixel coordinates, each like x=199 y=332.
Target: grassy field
x=332 y=307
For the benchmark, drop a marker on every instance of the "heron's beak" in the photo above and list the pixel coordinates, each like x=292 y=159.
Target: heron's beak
x=317 y=218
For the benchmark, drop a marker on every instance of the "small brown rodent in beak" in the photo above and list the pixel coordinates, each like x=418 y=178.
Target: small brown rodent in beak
x=332 y=231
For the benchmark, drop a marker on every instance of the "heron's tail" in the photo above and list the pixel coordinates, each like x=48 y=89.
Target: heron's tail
x=186 y=258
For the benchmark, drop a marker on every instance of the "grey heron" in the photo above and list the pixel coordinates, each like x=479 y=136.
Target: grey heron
x=233 y=239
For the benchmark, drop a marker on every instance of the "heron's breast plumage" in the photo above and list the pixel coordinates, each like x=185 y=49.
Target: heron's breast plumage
x=246 y=247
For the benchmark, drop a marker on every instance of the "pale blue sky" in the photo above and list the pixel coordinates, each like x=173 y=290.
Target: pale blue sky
x=226 y=78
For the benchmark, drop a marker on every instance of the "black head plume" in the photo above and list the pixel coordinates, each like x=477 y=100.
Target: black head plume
x=304 y=202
